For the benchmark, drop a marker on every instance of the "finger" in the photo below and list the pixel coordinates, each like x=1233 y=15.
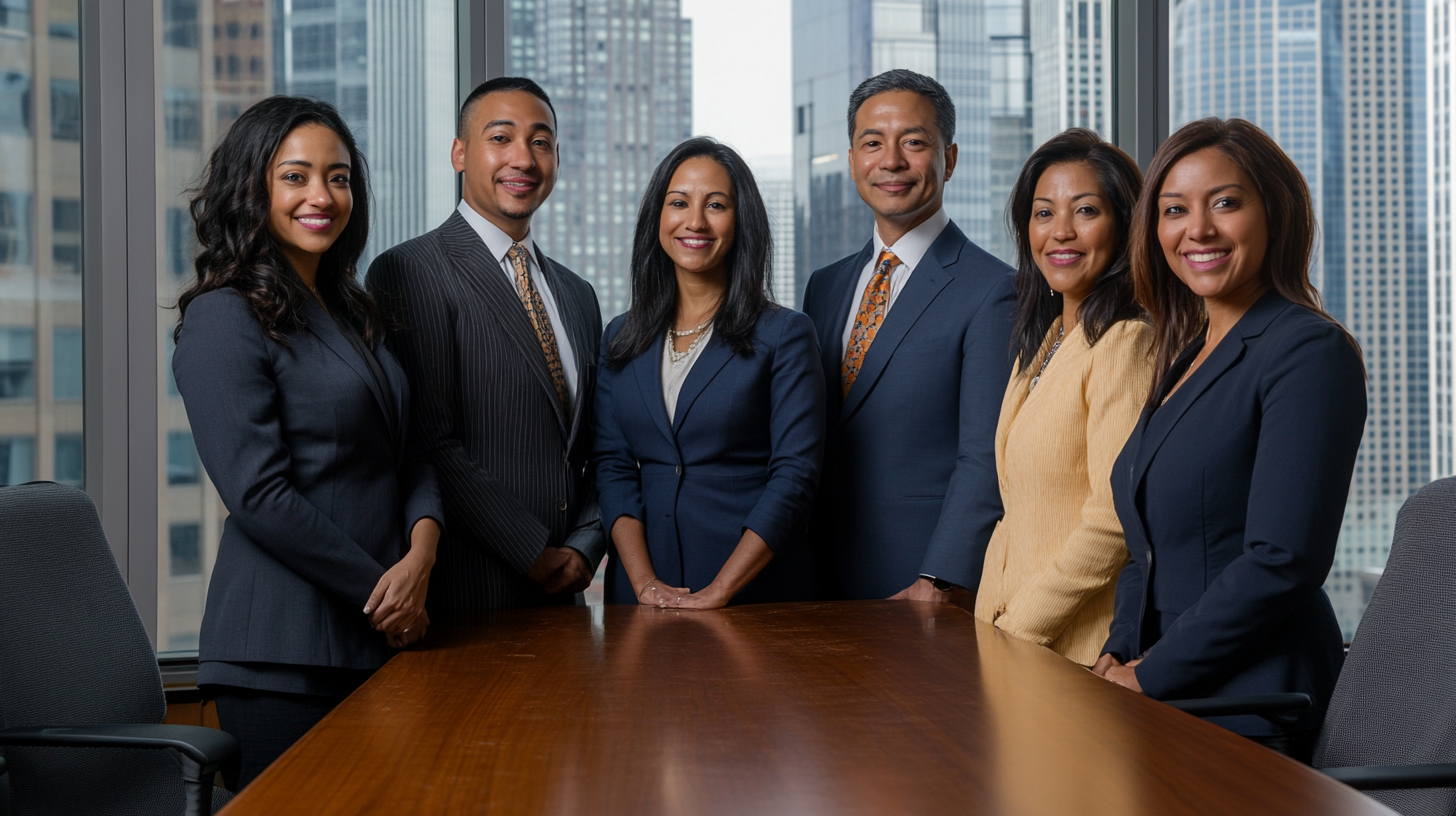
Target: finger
x=377 y=595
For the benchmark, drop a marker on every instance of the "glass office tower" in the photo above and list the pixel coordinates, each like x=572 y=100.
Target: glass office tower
x=1440 y=239
x=619 y=75
x=1341 y=85
x=380 y=63
x=40 y=244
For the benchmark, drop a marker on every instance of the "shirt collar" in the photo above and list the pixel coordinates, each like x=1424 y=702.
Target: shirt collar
x=495 y=240
x=913 y=245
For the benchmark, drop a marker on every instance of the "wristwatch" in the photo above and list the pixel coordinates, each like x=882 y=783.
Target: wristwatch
x=939 y=583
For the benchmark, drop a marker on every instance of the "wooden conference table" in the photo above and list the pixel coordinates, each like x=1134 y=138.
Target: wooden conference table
x=883 y=707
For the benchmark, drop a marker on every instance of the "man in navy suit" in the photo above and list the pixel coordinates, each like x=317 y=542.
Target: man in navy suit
x=915 y=331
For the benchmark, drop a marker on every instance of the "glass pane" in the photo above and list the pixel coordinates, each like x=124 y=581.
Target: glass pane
x=1342 y=88
x=217 y=58
x=40 y=243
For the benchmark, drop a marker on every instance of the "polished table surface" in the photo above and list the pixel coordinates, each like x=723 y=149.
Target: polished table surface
x=883 y=707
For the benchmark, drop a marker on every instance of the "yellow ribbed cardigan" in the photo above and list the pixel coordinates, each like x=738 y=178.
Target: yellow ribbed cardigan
x=1053 y=561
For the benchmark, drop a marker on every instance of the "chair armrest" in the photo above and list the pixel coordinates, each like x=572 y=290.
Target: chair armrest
x=1395 y=777
x=1260 y=704
x=205 y=746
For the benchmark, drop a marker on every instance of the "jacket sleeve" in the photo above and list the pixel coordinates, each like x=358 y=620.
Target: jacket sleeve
x=957 y=550
x=1122 y=638
x=479 y=503
x=796 y=431
x=619 y=481
x=224 y=370
x=1093 y=555
x=1312 y=418
x=422 y=489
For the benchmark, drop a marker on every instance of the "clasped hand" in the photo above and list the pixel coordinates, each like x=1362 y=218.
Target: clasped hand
x=1110 y=668
x=656 y=593
x=397 y=605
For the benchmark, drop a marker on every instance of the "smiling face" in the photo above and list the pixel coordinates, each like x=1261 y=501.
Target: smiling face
x=1212 y=226
x=309 y=195
x=898 y=160
x=1072 y=234
x=508 y=157
x=698 y=217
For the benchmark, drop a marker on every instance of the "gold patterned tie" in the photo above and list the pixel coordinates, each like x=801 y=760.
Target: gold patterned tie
x=867 y=320
x=536 y=313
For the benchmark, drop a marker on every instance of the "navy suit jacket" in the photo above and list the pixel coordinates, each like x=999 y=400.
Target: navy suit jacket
x=321 y=483
x=909 y=485
x=742 y=451
x=1231 y=497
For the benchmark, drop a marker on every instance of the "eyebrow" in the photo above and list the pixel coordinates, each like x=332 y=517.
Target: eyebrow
x=302 y=163
x=1217 y=189
x=877 y=132
x=1074 y=198
x=714 y=193
x=511 y=122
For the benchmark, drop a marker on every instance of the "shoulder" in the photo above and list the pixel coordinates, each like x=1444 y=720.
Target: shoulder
x=414 y=250
x=1302 y=332
x=843 y=266
x=1123 y=337
x=614 y=327
x=219 y=307
x=777 y=324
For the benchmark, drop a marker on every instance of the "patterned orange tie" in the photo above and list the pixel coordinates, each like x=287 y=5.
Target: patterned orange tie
x=867 y=321
x=536 y=313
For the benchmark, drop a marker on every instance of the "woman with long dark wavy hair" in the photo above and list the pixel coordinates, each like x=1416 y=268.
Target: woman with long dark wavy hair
x=1234 y=480
x=710 y=401
x=299 y=412
x=1082 y=367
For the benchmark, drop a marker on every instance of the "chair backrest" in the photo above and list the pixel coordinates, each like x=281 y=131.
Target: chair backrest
x=75 y=650
x=1395 y=703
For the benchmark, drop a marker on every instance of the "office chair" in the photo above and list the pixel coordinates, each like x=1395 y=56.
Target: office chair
x=82 y=704
x=1391 y=725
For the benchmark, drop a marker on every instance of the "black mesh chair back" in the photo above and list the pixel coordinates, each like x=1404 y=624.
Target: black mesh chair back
x=1395 y=703
x=74 y=653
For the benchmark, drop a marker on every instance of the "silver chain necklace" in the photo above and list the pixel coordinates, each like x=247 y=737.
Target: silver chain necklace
x=1034 y=380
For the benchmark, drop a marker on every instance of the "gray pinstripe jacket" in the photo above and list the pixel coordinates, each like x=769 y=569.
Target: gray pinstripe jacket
x=513 y=469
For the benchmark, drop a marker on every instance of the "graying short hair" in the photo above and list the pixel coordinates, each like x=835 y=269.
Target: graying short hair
x=899 y=79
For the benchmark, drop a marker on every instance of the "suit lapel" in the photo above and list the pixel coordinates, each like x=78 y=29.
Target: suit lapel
x=712 y=360
x=842 y=297
x=321 y=325
x=1230 y=350
x=648 y=369
x=925 y=283
x=482 y=274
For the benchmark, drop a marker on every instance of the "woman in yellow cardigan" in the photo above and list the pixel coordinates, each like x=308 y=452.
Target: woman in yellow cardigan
x=1082 y=374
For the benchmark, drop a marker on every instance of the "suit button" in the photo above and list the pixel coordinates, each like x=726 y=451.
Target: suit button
x=679 y=470
x=561 y=504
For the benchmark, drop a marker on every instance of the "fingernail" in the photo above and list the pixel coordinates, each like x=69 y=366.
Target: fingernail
x=366 y=610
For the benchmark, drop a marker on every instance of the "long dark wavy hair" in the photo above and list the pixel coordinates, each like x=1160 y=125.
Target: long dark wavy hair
x=654 y=277
x=1111 y=299
x=1179 y=316
x=230 y=210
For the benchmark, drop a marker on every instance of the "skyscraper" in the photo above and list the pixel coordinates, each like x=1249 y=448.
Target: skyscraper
x=776 y=185
x=620 y=77
x=1071 y=59
x=978 y=49
x=1442 y=235
x=1341 y=85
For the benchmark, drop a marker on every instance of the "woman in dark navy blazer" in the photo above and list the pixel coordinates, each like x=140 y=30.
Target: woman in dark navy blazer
x=299 y=414
x=1232 y=487
x=710 y=401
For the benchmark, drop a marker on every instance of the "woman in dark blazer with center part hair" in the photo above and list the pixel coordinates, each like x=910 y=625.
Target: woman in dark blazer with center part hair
x=1231 y=489
x=300 y=416
x=710 y=401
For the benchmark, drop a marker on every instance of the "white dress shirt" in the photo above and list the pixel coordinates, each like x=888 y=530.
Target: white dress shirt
x=674 y=374
x=499 y=244
x=910 y=249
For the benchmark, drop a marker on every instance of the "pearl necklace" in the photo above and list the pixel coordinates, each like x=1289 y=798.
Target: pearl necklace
x=678 y=356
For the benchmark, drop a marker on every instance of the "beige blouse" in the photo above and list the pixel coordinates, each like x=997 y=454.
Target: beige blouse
x=1053 y=561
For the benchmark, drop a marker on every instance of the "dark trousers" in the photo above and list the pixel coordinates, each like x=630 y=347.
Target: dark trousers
x=265 y=724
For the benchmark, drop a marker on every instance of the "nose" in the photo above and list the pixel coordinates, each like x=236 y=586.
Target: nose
x=519 y=154
x=1200 y=225
x=1063 y=227
x=319 y=193
x=893 y=158
x=697 y=219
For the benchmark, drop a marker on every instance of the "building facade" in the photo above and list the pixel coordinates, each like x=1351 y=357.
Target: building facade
x=1071 y=59
x=619 y=74
x=1440 y=249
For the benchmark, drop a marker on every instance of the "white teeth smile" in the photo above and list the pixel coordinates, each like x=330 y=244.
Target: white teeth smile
x=1205 y=257
x=693 y=243
x=317 y=221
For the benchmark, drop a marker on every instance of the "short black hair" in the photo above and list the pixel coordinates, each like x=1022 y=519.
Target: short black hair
x=497 y=85
x=900 y=79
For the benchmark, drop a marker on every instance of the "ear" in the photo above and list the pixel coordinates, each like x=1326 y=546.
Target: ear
x=951 y=153
x=457 y=155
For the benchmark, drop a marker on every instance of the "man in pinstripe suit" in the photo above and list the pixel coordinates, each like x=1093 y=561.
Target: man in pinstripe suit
x=500 y=342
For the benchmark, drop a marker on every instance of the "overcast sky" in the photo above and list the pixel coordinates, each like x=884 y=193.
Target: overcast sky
x=743 y=73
